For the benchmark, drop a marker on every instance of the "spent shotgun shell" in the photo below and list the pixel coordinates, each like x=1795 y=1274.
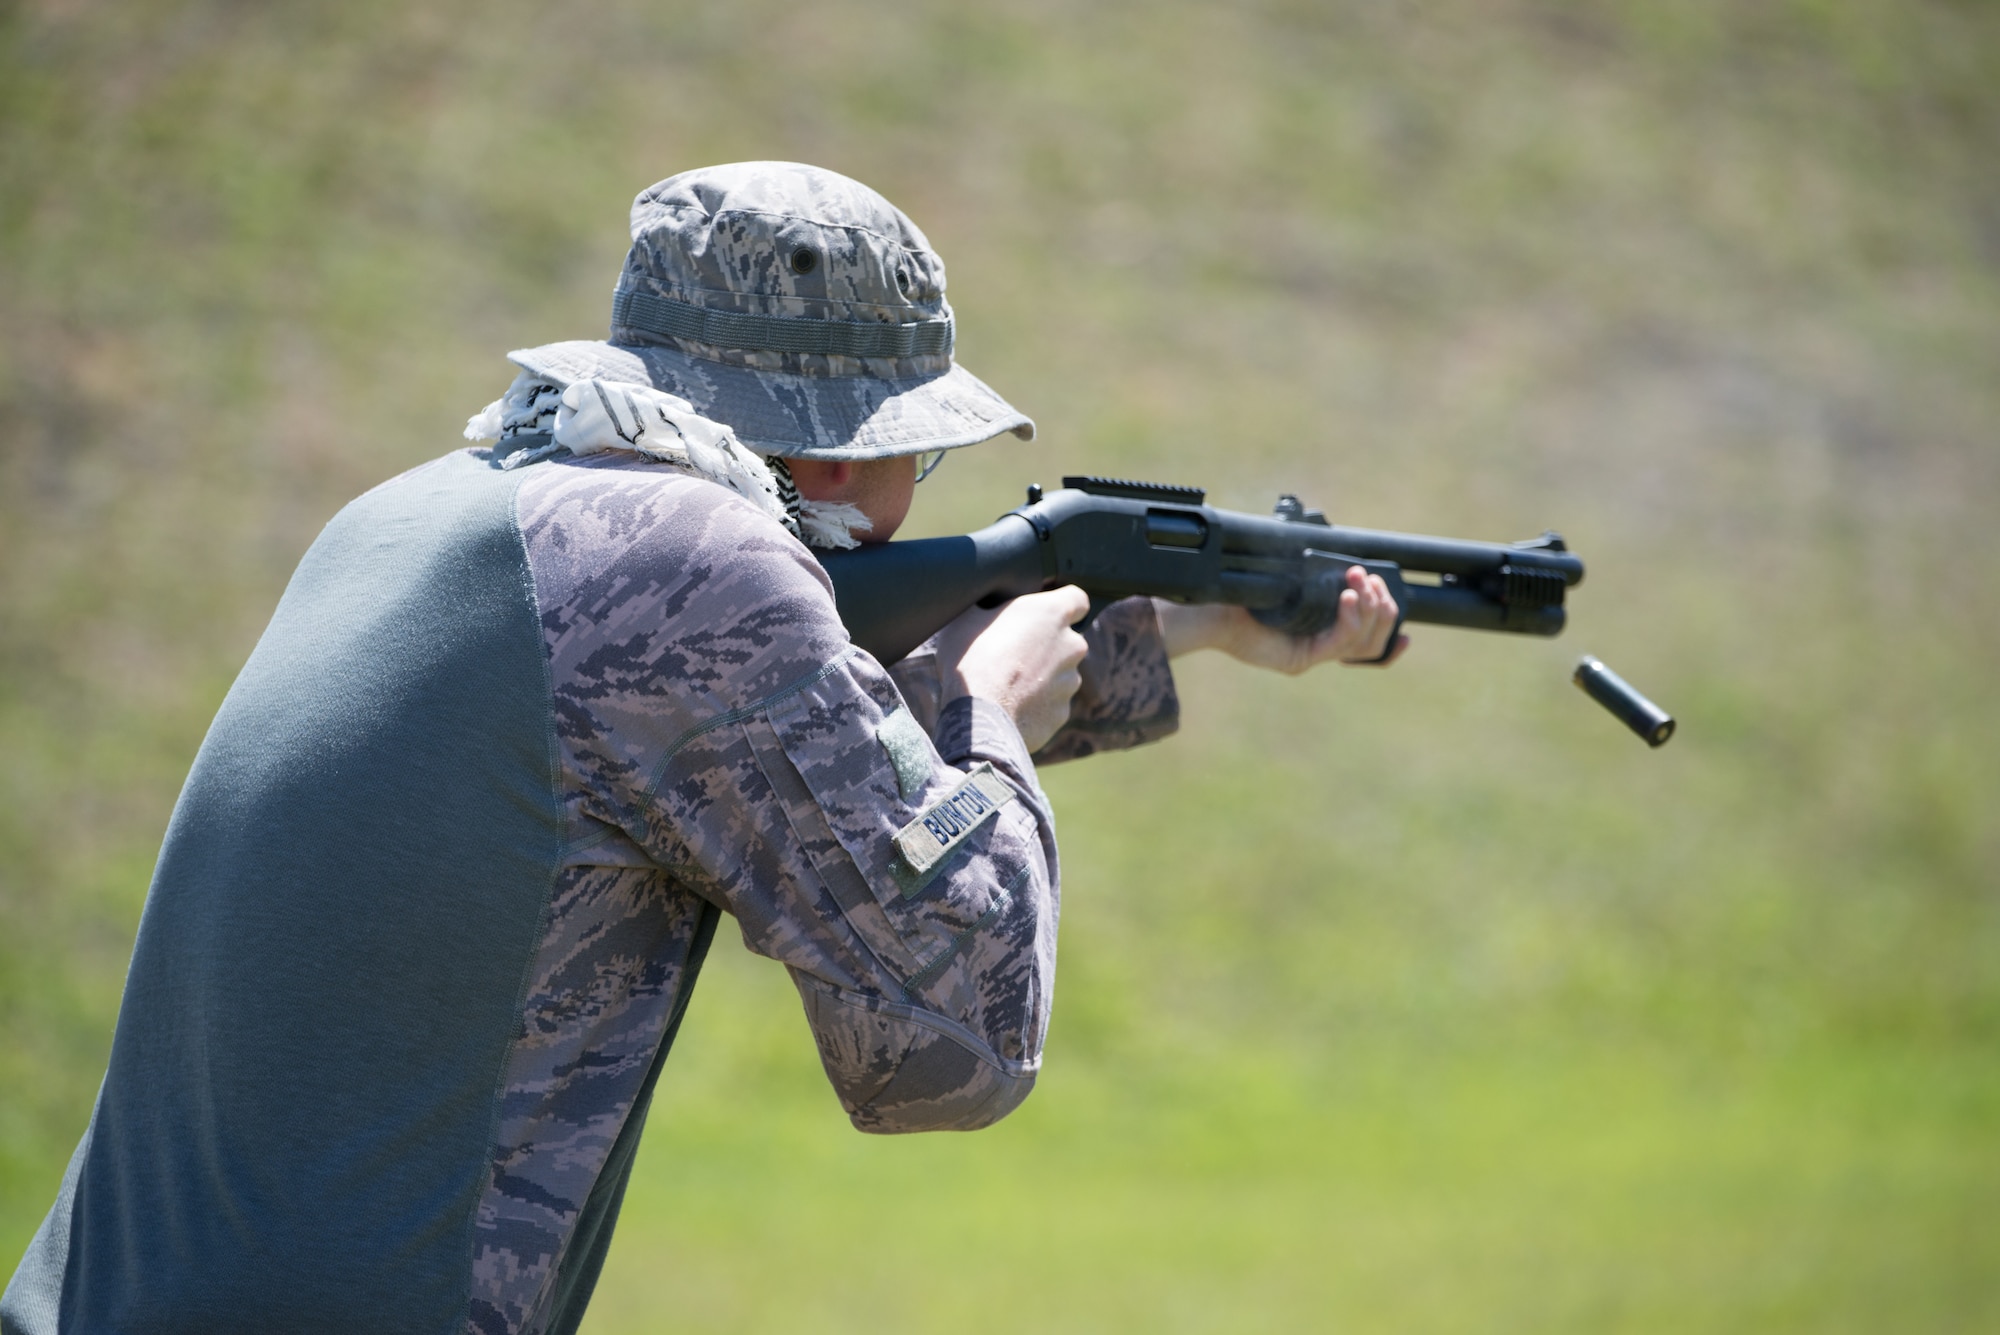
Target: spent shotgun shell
x=1634 y=710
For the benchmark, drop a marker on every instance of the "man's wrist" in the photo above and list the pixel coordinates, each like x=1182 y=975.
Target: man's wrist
x=955 y=687
x=1184 y=628
x=971 y=729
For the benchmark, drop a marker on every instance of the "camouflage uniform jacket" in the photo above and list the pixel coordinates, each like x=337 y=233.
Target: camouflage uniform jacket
x=434 y=896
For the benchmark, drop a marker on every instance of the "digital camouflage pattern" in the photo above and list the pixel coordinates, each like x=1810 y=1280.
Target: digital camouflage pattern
x=720 y=742
x=806 y=246
x=730 y=238
x=606 y=981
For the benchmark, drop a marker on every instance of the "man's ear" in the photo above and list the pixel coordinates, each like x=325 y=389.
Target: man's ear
x=821 y=479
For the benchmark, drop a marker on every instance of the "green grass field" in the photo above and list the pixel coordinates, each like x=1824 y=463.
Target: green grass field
x=1425 y=1000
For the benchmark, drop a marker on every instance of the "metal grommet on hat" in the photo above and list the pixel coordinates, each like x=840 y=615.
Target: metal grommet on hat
x=797 y=306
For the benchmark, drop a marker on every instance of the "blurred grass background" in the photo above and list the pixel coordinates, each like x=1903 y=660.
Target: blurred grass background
x=1417 y=1001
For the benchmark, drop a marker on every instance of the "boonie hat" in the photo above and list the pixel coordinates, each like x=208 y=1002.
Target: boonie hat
x=795 y=305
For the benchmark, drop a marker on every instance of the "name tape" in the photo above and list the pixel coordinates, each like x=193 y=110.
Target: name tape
x=949 y=821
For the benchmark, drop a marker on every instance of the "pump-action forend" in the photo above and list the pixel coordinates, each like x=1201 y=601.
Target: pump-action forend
x=1114 y=539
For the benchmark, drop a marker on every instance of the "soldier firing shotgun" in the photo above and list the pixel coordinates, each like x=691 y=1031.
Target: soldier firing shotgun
x=534 y=718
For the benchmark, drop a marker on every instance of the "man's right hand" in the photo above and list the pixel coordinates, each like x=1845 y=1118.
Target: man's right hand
x=1022 y=656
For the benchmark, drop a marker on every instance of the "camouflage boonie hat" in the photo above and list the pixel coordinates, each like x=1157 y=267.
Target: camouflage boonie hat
x=798 y=307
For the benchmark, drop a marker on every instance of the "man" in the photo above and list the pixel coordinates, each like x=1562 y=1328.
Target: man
x=526 y=722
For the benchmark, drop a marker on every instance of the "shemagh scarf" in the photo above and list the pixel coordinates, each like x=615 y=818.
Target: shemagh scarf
x=593 y=416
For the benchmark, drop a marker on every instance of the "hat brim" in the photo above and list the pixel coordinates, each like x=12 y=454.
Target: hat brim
x=799 y=416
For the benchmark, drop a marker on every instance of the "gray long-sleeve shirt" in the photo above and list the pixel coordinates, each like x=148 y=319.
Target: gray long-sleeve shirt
x=432 y=901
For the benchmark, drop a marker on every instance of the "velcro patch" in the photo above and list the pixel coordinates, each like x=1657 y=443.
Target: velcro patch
x=909 y=748
x=947 y=822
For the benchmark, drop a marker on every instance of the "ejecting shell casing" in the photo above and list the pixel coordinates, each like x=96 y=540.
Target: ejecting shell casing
x=1634 y=710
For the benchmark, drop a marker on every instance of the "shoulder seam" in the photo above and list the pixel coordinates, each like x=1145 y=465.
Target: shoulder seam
x=497 y=1095
x=532 y=597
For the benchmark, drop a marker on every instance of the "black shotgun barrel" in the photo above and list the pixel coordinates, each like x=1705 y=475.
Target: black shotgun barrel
x=1115 y=539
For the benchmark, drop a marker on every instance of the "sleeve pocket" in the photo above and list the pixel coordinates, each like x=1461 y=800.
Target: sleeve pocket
x=823 y=754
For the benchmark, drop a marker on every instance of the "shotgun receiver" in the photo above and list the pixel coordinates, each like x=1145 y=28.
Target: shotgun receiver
x=1114 y=539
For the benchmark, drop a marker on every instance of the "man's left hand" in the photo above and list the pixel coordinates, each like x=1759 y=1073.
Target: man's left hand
x=1356 y=638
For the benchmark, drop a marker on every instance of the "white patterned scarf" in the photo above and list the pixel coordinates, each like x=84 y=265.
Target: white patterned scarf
x=592 y=416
